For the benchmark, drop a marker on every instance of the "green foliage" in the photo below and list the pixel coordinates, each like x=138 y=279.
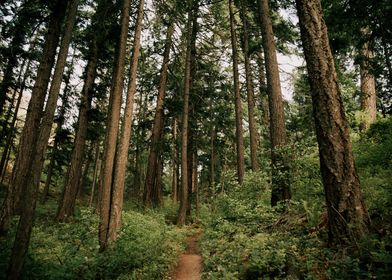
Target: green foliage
x=146 y=248
x=245 y=238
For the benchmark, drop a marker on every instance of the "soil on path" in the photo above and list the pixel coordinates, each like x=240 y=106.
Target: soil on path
x=190 y=263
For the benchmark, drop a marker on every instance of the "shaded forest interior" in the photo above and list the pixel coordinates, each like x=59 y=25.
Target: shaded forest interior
x=130 y=127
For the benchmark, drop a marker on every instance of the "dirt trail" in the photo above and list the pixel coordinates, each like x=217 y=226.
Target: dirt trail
x=189 y=265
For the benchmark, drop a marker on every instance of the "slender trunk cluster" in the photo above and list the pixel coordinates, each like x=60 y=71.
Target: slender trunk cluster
x=122 y=153
x=182 y=215
x=27 y=154
x=67 y=203
x=156 y=137
x=249 y=90
x=347 y=216
x=280 y=170
x=237 y=100
x=110 y=142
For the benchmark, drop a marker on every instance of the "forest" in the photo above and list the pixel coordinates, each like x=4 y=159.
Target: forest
x=195 y=139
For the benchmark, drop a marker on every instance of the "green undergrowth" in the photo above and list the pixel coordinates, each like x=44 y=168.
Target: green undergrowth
x=245 y=238
x=147 y=247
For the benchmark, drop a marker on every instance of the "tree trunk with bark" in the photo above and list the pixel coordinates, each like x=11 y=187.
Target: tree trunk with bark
x=28 y=140
x=158 y=123
x=122 y=154
x=348 y=219
x=110 y=142
x=60 y=123
x=280 y=169
x=368 y=85
x=67 y=204
x=249 y=90
x=263 y=97
x=174 y=184
x=11 y=133
x=97 y=162
x=237 y=100
x=182 y=214
x=54 y=91
x=26 y=154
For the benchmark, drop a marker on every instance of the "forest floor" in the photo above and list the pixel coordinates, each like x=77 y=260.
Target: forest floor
x=189 y=266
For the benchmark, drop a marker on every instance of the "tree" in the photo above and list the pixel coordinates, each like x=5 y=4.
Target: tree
x=122 y=153
x=237 y=98
x=25 y=20
x=249 y=89
x=347 y=216
x=280 y=170
x=152 y=167
x=67 y=203
x=29 y=137
x=110 y=142
x=368 y=82
x=192 y=7
x=45 y=127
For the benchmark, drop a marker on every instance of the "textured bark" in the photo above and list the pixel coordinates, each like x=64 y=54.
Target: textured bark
x=174 y=185
x=158 y=123
x=263 y=97
x=195 y=181
x=237 y=100
x=185 y=118
x=110 y=142
x=28 y=140
x=11 y=133
x=347 y=215
x=280 y=180
x=22 y=172
x=97 y=163
x=67 y=205
x=368 y=86
x=54 y=91
x=60 y=123
x=122 y=155
x=250 y=91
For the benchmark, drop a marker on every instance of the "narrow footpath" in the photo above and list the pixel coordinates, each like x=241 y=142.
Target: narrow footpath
x=189 y=266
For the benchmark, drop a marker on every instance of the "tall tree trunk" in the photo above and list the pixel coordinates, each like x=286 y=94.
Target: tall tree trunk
x=11 y=133
x=185 y=118
x=249 y=91
x=54 y=91
x=195 y=180
x=237 y=100
x=174 y=183
x=67 y=204
x=122 y=155
x=26 y=154
x=96 y=168
x=263 y=97
x=368 y=85
x=280 y=170
x=347 y=215
x=59 y=128
x=49 y=175
x=158 y=122
x=29 y=136
x=110 y=142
